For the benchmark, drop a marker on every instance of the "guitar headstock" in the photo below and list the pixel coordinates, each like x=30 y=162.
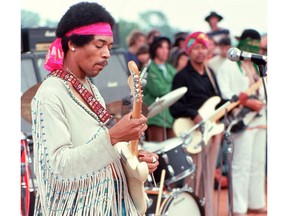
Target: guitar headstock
x=134 y=82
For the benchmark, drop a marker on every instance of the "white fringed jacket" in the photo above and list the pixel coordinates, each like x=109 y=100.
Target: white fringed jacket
x=75 y=163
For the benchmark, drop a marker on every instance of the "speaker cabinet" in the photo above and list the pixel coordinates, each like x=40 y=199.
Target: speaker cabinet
x=37 y=39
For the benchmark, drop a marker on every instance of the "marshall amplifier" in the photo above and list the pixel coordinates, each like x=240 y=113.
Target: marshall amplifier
x=37 y=39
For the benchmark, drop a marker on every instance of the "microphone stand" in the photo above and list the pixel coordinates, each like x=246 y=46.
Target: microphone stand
x=228 y=141
x=262 y=69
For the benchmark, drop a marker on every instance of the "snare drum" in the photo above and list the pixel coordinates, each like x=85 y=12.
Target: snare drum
x=182 y=202
x=174 y=158
x=152 y=194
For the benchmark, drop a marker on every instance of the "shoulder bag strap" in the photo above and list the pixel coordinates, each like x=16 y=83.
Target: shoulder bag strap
x=103 y=115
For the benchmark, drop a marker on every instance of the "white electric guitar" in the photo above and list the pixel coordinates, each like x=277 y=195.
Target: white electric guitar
x=211 y=127
x=136 y=172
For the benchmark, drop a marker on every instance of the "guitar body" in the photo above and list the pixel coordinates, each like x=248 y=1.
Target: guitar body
x=181 y=125
x=136 y=174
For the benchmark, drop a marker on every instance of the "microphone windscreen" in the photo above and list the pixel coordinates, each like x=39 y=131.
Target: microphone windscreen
x=233 y=54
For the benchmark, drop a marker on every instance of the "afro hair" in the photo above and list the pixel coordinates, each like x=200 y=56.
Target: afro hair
x=81 y=14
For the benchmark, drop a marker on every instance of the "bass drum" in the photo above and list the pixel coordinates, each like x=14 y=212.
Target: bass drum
x=181 y=202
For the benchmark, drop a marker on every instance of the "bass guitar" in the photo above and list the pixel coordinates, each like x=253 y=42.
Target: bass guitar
x=211 y=128
x=136 y=172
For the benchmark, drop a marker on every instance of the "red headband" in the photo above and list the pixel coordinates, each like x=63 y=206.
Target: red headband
x=55 y=55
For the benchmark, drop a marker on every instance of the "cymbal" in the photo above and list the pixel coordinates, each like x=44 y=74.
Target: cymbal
x=26 y=99
x=166 y=101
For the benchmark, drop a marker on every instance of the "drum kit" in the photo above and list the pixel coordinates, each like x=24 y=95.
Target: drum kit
x=177 y=197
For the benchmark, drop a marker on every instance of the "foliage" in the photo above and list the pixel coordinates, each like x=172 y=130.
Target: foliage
x=148 y=20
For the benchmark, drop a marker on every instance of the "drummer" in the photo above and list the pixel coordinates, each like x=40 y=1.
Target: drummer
x=159 y=82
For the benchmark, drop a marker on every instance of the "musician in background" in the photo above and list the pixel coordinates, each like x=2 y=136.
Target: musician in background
x=77 y=168
x=202 y=85
x=248 y=163
x=159 y=82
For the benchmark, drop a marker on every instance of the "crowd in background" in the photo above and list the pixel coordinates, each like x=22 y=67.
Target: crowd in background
x=165 y=58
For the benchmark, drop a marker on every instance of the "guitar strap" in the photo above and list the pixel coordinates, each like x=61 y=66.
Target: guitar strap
x=212 y=79
x=103 y=115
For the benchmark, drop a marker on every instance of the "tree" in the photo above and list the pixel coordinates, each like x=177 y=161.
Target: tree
x=125 y=28
x=29 y=19
x=156 y=20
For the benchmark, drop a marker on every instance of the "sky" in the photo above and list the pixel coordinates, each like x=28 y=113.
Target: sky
x=188 y=15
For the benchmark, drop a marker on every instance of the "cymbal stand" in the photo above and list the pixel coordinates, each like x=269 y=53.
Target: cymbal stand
x=203 y=158
x=228 y=141
x=23 y=189
x=164 y=126
x=30 y=165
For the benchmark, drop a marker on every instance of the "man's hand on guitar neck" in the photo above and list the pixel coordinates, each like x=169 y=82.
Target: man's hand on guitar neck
x=250 y=102
x=127 y=129
x=254 y=104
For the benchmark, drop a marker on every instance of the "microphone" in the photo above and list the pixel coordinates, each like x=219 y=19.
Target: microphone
x=235 y=54
x=143 y=75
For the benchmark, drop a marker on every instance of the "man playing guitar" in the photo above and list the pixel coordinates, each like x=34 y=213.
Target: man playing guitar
x=202 y=85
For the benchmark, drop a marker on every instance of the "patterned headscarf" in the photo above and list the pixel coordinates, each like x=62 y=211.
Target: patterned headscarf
x=195 y=38
x=55 y=54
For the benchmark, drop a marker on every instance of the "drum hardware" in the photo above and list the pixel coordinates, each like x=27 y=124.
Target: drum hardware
x=203 y=158
x=176 y=170
x=28 y=189
x=227 y=140
x=23 y=189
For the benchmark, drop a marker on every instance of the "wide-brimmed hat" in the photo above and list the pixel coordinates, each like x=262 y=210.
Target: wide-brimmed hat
x=249 y=33
x=213 y=14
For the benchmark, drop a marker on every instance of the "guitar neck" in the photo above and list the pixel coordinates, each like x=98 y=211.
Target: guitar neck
x=249 y=91
x=135 y=86
x=133 y=144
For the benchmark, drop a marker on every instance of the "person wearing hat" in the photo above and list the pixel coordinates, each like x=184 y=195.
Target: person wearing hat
x=202 y=85
x=216 y=32
x=159 y=80
x=78 y=170
x=249 y=150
